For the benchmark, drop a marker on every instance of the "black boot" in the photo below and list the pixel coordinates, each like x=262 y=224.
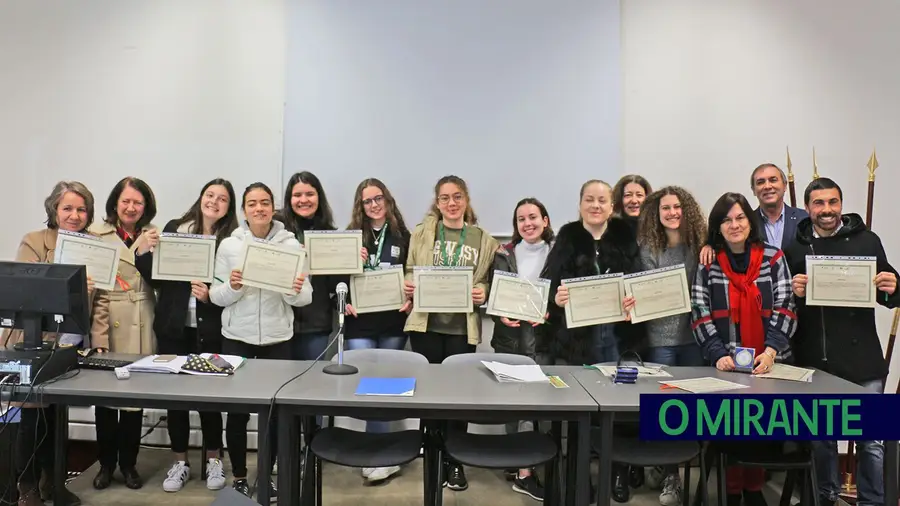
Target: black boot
x=620 y=492
x=636 y=477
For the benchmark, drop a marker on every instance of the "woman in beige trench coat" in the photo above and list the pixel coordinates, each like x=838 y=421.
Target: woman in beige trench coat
x=125 y=325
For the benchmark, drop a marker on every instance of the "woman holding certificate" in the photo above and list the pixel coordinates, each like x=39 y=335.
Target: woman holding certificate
x=187 y=322
x=70 y=208
x=257 y=322
x=742 y=308
x=123 y=322
x=386 y=240
x=306 y=208
x=449 y=237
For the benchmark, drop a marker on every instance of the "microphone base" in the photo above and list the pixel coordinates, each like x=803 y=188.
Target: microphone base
x=340 y=369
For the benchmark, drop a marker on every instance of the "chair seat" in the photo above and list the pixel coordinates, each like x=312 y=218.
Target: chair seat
x=792 y=460
x=360 y=449
x=503 y=451
x=635 y=452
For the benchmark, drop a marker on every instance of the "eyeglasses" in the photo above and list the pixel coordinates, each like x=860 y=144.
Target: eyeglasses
x=457 y=197
x=377 y=199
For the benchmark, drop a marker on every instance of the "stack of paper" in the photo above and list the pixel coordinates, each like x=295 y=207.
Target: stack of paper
x=175 y=366
x=789 y=372
x=643 y=372
x=703 y=385
x=506 y=373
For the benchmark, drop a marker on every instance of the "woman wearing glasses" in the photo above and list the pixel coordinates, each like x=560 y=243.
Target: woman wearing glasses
x=449 y=236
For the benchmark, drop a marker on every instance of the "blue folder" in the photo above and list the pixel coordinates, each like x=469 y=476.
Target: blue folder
x=386 y=386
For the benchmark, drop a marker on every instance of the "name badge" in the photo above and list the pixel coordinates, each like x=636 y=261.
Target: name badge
x=395 y=251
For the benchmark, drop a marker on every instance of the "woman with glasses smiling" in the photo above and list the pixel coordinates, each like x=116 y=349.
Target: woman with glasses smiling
x=449 y=236
x=386 y=240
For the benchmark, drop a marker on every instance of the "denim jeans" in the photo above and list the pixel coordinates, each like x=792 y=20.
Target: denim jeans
x=384 y=343
x=685 y=355
x=604 y=344
x=870 y=467
x=309 y=346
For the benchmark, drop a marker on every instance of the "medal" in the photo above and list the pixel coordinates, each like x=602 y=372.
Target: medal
x=743 y=359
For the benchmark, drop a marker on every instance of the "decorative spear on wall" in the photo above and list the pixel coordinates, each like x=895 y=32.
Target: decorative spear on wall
x=790 y=178
x=815 y=165
x=872 y=165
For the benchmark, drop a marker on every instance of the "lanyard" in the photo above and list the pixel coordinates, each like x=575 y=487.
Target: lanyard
x=379 y=243
x=442 y=245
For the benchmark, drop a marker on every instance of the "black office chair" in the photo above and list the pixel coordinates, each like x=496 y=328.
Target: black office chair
x=350 y=448
x=800 y=460
x=496 y=451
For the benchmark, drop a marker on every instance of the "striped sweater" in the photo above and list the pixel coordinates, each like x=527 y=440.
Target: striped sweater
x=711 y=321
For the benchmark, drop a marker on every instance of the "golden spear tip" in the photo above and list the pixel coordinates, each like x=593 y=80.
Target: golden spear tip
x=815 y=165
x=872 y=165
x=790 y=173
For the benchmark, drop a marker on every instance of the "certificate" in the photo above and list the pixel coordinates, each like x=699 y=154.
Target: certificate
x=594 y=300
x=841 y=281
x=658 y=293
x=270 y=267
x=334 y=252
x=518 y=298
x=442 y=290
x=100 y=258
x=185 y=257
x=378 y=290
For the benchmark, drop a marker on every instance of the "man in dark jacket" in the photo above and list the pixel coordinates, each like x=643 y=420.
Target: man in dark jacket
x=779 y=220
x=838 y=340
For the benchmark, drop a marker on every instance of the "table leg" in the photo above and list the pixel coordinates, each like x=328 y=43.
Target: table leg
x=288 y=457
x=60 y=460
x=552 y=469
x=604 y=481
x=263 y=455
x=583 y=462
x=308 y=492
x=890 y=472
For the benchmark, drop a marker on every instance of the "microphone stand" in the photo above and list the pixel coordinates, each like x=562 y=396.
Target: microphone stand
x=340 y=368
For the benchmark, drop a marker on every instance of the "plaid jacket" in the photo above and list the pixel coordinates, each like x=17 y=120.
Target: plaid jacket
x=713 y=328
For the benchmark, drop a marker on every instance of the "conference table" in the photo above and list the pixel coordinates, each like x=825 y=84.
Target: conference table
x=624 y=401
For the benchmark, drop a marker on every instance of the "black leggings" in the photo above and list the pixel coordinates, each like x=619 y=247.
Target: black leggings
x=236 y=425
x=178 y=421
x=34 y=444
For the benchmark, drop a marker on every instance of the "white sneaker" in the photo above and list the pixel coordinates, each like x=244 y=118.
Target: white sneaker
x=671 y=492
x=366 y=471
x=382 y=473
x=177 y=476
x=215 y=475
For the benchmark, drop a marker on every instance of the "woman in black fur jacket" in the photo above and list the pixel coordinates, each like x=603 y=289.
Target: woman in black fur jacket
x=598 y=243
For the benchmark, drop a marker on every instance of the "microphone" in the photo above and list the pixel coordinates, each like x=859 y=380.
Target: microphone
x=340 y=368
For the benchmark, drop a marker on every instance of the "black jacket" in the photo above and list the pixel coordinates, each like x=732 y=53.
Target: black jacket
x=840 y=340
x=575 y=255
x=519 y=340
x=384 y=323
x=170 y=313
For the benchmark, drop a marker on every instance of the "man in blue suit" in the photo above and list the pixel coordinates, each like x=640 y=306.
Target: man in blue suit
x=779 y=220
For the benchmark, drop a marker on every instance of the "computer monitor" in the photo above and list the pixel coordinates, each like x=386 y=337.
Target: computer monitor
x=39 y=298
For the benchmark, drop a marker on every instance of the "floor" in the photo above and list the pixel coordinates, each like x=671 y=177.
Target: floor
x=343 y=486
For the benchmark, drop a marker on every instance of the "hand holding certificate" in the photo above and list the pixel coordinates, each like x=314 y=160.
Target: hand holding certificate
x=378 y=290
x=658 y=293
x=185 y=257
x=270 y=267
x=594 y=300
x=442 y=290
x=842 y=281
x=100 y=258
x=334 y=252
x=518 y=298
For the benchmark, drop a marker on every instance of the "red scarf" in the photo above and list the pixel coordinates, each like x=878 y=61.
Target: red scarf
x=745 y=299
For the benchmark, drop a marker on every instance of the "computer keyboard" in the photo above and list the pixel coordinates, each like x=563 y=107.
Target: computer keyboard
x=102 y=364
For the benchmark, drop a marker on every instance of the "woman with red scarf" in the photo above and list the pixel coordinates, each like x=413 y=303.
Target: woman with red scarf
x=742 y=299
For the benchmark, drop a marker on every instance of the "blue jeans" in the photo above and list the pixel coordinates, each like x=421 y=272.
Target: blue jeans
x=685 y=355
x=384 y=343
x=870 y=467
x=309 y=346
x=604 y=344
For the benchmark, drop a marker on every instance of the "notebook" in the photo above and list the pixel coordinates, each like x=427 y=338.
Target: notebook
x=403 y=387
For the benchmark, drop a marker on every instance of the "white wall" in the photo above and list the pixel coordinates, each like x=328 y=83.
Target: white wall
x=714 y=88
x=175 y=92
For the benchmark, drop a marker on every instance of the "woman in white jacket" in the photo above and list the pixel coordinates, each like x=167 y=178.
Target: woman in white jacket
x=256 y=323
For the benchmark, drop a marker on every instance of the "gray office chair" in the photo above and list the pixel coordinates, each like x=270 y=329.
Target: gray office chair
x=497 y=451
x=352 y=448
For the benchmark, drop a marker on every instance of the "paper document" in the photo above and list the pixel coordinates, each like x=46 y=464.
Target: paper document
x=788 y=372
x=506 y=373
x=643 y=372
x=704 y=385
x=176 y=365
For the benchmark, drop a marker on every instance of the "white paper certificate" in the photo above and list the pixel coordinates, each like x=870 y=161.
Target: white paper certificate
x=334 y=252
x=377 y=290
x=185 y=257
x=841 y=281
x=101 y=258
x=658 y=293
x=270 y=267
x=442 y=290
x=518 y=298
x=594 y=300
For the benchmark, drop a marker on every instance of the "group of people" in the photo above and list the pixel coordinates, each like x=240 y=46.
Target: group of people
x=747 y=267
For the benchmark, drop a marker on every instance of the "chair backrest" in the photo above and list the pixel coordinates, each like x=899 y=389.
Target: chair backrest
x=382 y=356
x=476 y=358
